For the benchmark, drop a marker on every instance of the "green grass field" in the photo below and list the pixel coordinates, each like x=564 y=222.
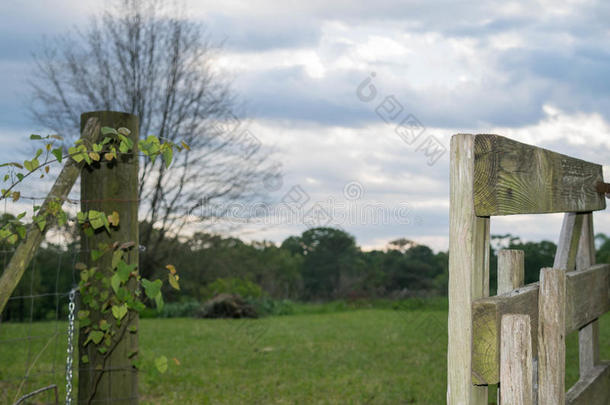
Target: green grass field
x=366 y=356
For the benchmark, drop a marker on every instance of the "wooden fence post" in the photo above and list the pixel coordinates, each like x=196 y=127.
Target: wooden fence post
x=516 y=356
x=588 y=336
x=111 y=187
x=468 y=273
x=516 y=361
x=551 y=336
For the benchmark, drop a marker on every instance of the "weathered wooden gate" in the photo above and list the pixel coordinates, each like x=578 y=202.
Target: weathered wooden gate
x=517 y=338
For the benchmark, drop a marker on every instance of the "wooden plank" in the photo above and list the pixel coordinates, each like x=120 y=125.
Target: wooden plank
x=468 y=267
x=592 y=388
x=487 y=315
x=516 y=361
x=567 y=247
x=511 y=275
x=588 y=336
x=587 y=295
x=551 y=336
x=515 y=178
x=511 y=270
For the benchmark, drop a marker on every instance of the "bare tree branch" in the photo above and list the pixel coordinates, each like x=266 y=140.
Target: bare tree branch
x=145 y=58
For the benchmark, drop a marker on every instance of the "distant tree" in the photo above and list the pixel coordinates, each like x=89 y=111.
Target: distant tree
x=537 y=255
x=401 y=244
x=144 y=57
x=332 y=265
x=603 y=251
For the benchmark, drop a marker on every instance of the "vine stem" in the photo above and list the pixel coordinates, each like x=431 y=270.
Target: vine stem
x=116 y=341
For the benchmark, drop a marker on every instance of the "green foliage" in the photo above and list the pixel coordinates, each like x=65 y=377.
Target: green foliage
x=246 y=289
x=109 y=294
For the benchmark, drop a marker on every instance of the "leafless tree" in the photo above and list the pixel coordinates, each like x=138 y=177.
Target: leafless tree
x=145 y=58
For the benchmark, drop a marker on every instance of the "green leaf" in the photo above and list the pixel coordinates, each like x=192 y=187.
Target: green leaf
x=76 y=156
x=161 y=364
x=117 y=256
x=132 y=329
x=96 y=219
x=41 y=222
x=95 y=336
x=124 y=270
x=152 y=288
x=84 y=359
x=123 y=148
x=82 y=314
x=108 y=130
x=62 y=218
x=104 y=325
x=115 y=282
x=58 y=154
x=159 y=301
x=167 y=156
x=21 y=231
x=119 y=311
x=34 y=136
x=102 y=350
x=96 y=254
x=123 y=294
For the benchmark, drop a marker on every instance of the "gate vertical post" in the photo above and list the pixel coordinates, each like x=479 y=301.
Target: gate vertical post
x=468 y=273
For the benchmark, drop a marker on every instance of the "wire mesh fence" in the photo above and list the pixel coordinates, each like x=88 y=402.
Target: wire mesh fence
x=33 y=326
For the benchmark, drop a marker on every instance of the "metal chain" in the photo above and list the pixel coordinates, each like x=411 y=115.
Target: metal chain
x=70 y=350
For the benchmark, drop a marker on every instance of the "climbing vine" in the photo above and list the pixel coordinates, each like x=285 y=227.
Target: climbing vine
x=108 y=293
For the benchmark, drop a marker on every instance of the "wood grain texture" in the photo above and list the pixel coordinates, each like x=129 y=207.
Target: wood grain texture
x=487 y=315
x=468 y=268
x=569 y=238
x=511 y=270
x=587 y=295
x=592 y=388
x=511 y=275
x=515 y=178
x=516 y=361
x=587 y=299
x=551 y=337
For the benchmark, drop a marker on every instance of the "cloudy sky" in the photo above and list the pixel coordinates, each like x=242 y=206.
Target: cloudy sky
x=360 y=98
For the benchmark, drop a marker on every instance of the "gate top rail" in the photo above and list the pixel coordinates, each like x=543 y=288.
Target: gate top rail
x=511 y=177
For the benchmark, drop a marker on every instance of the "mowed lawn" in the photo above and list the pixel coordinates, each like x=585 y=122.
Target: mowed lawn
x=371 y=356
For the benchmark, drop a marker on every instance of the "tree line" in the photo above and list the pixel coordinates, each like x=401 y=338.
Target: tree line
x=321 y=264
